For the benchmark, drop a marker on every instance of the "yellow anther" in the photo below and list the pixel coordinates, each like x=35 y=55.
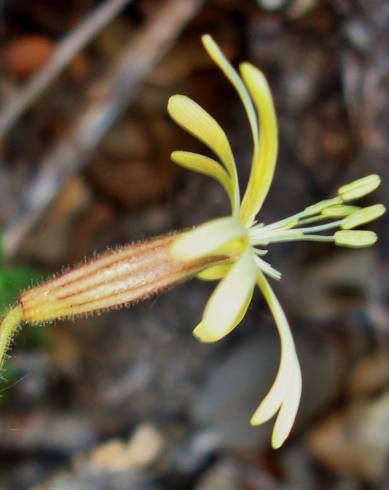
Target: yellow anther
x=355 y=239
x=359 y=188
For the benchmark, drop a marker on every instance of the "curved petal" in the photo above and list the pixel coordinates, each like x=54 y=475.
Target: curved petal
x=229 y=71
x=230 y=300
x=206 y=239
x=194 y=119
x=264 y=159
x=286 y=390
x=206 y=166
x=288 y=411
x=204 y=334
x=215 y=272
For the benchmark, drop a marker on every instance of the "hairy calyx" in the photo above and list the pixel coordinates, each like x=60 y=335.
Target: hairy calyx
x=110 y=281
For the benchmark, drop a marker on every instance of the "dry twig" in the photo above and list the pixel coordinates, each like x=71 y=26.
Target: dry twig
x=111 y=96
x=63 y=55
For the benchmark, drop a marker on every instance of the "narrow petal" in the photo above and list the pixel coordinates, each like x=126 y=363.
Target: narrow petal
x=215 y=272
x=272 y=402
x=194 y=119
x=205 y=334
x=229 y=71
x=202 y=334
x=206 y=166
x=264 y=159
x=206 y=239
x=286 y=390
x=287 y=414
x=229 y=302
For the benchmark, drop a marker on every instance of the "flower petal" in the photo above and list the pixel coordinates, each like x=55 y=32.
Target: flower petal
x=264 y=159
x=205 y=334
x=287 y=414
x=229 y=71
x=230 y=300
x=286 y=390
x=215 y=272
x=206 y=166
x=192 y=117
x=206 y=239
x=202 y=334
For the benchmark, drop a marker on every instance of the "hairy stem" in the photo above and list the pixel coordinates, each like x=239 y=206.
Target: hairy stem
x=8 y=328
x=110 y=281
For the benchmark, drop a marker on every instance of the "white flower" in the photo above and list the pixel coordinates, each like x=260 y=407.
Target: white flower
x=243 y=241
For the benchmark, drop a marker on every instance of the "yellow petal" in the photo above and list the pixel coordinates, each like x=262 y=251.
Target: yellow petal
x=233 y=248
x=205 y=334
x=286 y=390
x=214 y=272
x=202 y=334
x=264 y=159
x=230 y=300
x=206 y=166
x=206 y=239
x=287 y=414
x=218 y=57
x=192 y=117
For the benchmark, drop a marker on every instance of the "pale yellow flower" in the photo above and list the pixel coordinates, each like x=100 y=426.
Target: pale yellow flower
x=243 y=240
x=229 y=248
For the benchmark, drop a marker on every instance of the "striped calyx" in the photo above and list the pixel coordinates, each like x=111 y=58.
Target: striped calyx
x=110 y=281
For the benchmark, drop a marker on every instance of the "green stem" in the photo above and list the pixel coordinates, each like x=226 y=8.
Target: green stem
x=8 y=327
x=309 y=238
x=327 y=226
x=314 y=219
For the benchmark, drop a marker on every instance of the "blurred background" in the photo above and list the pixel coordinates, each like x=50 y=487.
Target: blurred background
x=129 y=400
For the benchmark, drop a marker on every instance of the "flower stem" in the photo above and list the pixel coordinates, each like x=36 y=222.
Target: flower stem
x=8 y=328
x=110 y=281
